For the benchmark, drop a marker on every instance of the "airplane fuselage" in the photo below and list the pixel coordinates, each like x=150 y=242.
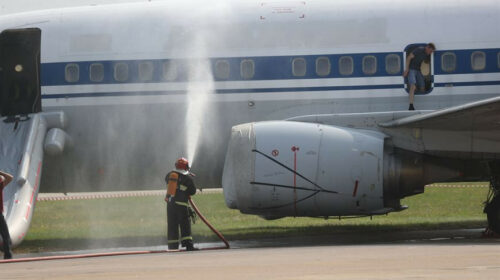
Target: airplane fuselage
x=125 y=74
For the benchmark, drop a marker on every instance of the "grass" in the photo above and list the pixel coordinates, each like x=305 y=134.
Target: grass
x=141 y=221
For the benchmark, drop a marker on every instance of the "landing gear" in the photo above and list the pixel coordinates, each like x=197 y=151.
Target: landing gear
x=492 y=210
x=492 y=204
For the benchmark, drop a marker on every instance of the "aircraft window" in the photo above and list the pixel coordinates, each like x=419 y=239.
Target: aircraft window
x=146 y=71
x=121 y=71
x=299 y=67
x=96 y=72
x=247 y=69
x=323 y=66
x=478 y=61
x=346 y=65
x=448 y=62
x=72 y=73
x=222 y=69
x=369 y=65
x=392 y=64
x=169 y=71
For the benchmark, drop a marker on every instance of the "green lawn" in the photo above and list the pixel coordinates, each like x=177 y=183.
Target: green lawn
x=140 y=221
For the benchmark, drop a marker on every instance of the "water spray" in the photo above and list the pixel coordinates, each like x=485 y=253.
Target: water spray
x=199 y=88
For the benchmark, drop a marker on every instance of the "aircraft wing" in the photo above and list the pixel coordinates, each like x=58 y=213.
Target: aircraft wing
x=480 y=115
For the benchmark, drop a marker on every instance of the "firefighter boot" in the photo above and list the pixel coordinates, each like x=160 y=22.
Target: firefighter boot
x=173 y=245
x=189 y=245
x=7 y=253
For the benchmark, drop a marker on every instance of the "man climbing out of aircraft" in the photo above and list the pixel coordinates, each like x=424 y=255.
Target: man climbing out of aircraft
x=412 y=69
x=180 y=186
x=5 y=179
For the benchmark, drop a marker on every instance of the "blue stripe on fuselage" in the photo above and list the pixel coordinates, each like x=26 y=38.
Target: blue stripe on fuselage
x=266 y=68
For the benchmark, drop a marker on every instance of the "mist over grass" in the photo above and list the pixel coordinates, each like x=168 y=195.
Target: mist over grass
x=141 y=221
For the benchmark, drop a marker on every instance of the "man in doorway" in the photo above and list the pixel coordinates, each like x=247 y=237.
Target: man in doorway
x=412 y=70
x=5 y=179
x=180 y=186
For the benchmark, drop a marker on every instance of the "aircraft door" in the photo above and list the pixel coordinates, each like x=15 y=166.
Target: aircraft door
x=20 y=72
x=426 y=69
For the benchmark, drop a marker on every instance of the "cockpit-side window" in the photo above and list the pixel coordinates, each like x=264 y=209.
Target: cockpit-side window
x=72 y=73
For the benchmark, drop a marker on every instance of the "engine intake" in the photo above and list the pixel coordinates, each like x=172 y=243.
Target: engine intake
x=285 y=168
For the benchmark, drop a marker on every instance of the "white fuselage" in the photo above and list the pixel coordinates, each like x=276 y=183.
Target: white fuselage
x=107 y=68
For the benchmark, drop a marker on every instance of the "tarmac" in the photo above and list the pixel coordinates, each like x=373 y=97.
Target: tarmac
x=437 y=254
x=442 y=254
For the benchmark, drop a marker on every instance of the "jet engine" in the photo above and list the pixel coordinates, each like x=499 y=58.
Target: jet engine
x=285 y=168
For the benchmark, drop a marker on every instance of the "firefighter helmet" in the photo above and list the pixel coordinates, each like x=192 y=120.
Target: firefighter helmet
x=182 y=164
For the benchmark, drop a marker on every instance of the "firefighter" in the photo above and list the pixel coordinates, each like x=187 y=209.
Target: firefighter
x=5 y=179
x=180 y=186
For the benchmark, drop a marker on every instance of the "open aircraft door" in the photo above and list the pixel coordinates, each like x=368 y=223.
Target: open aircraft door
x=426 y=69
x=20 y=72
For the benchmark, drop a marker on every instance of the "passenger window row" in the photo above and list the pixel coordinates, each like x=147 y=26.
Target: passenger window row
x=222 y=69
x=477 y=61
x=346 y=65
x=121 y=72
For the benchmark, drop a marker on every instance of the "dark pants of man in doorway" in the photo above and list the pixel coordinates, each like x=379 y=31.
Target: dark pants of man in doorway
x=4 y=231
x=178 y=217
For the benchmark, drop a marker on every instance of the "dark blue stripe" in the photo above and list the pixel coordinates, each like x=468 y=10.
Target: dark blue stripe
x=266 y=68
x=223 y=91
x=464 y=63
x=458 y=84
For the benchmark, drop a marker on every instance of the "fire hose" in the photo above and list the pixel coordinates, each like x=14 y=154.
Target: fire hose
x=221 y=237
x=94 y=255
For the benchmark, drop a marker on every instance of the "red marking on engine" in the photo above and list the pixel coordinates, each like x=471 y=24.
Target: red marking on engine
x=355 y=188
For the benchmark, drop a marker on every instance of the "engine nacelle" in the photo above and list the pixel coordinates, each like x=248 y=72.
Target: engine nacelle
x=284 y=168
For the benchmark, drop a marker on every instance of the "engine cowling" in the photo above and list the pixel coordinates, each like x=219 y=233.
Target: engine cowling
x=285 y=168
